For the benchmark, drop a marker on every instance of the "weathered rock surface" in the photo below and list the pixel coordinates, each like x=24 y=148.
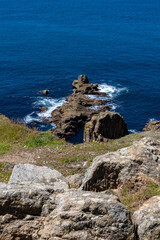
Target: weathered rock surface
x=29 y=190
x=152 y=126
x=87 y=216
x=115 y=169
x=75 y=180
x=30 y=174
x=31 y=207
x=103 y=126
x=147 y=219
x=76 y=111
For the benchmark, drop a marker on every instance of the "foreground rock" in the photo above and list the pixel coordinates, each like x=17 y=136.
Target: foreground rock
x=115 y=169
x=78 y=108
x=152 y=126
x=87 y=216
x=147 y=219
x=29 y=189
x=37 y=204
x=104 y=126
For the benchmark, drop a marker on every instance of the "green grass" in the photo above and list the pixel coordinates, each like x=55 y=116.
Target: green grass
x=72 y=159
x=42 y=140
x=133 y=199
x=15 y=134
x=5 y=172
x=4 y=148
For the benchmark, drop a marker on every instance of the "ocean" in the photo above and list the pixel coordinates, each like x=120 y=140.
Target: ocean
x=47 y=44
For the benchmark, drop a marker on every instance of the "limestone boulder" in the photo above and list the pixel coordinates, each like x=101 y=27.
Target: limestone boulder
x=87 y=216
x=112 y=170
x=152 y=126
x=37 y=204
x=27 y=174
x=147 y=219
x=103 y=126
x=31 y=190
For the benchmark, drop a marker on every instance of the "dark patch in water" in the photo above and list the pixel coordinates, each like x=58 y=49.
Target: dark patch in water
x=78 y=138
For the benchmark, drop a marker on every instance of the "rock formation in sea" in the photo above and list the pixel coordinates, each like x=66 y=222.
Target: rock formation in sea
x=79 y=109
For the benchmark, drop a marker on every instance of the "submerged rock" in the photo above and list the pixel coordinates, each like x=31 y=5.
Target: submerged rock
x=147 y=219
x=43 y=109
x=45 y=92
x=152 y=126
x=115 y=169
x=103 y=126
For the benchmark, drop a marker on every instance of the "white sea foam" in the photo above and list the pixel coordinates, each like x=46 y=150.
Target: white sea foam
x=112 y=92
x=32 y=117
x=153 y=120
x=95 y=107
x=133 y=131
x=50 y=103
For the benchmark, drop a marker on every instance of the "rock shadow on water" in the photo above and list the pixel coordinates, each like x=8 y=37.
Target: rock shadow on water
x=77 y=138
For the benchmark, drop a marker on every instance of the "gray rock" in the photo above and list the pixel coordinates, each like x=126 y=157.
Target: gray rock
x=30 y=208
x=103 y=126
x=75 y=180
x=147 y=219
x=31 y=190
x=29 y=174
x=87 y=216
x=114 y=169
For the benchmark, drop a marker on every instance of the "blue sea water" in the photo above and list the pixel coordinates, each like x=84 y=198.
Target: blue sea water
x=47 y=44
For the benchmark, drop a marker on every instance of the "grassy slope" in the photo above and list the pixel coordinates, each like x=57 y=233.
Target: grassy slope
x=65 y=157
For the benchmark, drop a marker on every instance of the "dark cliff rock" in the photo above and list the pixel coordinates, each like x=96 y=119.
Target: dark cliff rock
x=103 y=126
